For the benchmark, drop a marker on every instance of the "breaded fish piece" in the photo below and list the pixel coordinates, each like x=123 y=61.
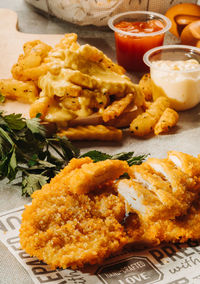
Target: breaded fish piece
x=180 y=182
x=158 y=190
x=187 y=163
x=70 y=230
x=66 y=228
x=91 y=175
x=183 y=228
x=84 y=215
x=82 y=175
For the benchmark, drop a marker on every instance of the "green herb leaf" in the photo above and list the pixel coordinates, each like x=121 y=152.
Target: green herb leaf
x=2 y=98
x=35 y=126
x=137 y=160
x=124 y=156
x=12 y=168
x=32 y=182
x=14 y=121
x=96 y=156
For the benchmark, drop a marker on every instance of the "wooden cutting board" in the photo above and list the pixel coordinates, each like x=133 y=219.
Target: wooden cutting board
x=12 y=40
x=11 y=45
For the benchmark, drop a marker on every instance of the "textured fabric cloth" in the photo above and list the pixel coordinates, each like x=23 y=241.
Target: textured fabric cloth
x=86 y=12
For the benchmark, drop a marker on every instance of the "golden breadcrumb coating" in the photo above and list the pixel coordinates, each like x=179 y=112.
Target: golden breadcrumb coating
x=90 y=175
x=185 y=162
x=71 y=230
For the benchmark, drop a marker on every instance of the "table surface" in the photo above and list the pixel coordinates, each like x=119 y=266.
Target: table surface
x=186 y=137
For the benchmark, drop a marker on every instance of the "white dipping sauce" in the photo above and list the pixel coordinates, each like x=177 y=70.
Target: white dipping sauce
x=178 y=80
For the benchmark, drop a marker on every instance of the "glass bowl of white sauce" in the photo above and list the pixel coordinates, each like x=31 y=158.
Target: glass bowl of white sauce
x=175 y=73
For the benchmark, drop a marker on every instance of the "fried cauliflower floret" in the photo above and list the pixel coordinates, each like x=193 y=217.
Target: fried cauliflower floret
x=69 y=230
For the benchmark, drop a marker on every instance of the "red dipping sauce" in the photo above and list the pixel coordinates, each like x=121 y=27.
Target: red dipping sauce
x=134 y=38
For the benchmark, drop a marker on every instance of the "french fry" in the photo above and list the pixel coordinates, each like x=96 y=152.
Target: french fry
x=30 y=65
x=67 y=41
x=90 y=132
x=40 y=106
x=27 y=74
x=144 y=123
x=117 y=107
x=145 y=86
x=158 y=107
x=25 y=92
x=125 y=118
x=36 y=47
x=168 y=119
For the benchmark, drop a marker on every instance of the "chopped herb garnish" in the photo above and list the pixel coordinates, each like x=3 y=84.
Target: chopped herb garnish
x=27 y=155
x=2 y=98
x=31 y=158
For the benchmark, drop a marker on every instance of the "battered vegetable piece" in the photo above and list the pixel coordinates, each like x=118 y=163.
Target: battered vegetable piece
x=144 y=123
x=145 y=87
x=25 y=92
x=66 y=229
x=117 y=107
x=90 y=132
x=168 y=119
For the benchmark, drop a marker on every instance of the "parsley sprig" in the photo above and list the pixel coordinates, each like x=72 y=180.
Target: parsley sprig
x=27 y=155
x=97 y=156
x=30 y=158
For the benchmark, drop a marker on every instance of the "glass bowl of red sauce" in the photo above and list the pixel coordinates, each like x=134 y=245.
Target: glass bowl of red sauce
x=136 y=32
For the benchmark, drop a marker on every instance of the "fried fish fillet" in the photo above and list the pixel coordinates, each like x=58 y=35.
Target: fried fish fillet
x=163 y=195
x=83 y=215
x=158 y=188
x=65 y=227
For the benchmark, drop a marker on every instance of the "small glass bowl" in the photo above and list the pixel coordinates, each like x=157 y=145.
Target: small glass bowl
x=131 y=46
x=179 y=81
x=174 y=53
